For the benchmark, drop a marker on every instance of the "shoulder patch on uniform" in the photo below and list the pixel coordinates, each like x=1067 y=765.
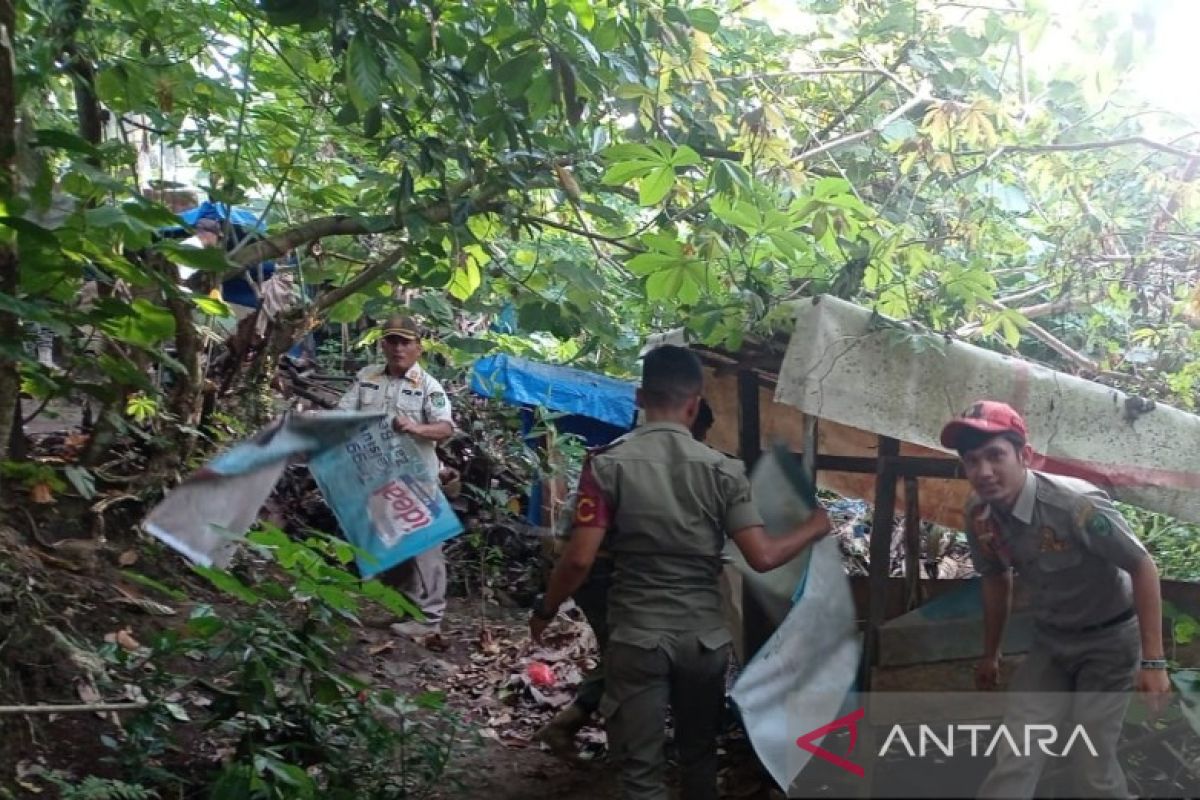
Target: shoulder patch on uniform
x=1094 y=521
x=437 y=399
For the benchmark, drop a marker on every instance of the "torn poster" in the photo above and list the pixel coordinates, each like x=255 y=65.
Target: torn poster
x=388 y=505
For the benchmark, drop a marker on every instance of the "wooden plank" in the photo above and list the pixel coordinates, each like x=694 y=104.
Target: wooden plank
x=903 y=466
x=881 y=546
x=756 y=628
x=749 y=421
x=912 y=542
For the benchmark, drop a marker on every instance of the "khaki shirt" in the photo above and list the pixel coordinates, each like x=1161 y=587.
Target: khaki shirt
x=669 y=503
x=417 y=396
x=1064 y=537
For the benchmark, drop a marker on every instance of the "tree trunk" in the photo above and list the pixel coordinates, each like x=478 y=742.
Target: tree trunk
x=10 y=326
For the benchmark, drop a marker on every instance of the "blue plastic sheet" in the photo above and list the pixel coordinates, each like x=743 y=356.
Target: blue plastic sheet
x=242 y=217
x=564 y=389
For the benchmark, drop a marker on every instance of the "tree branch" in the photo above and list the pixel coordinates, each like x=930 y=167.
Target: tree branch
x=362 y=280
x=1070 y=147
x=549 y=223
x=343 y=225
x=852 y=138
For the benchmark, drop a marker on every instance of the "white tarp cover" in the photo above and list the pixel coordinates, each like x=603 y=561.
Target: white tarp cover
x=799 y=679
x=847 y=365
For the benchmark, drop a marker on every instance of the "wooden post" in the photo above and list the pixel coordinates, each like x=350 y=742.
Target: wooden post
x=912 y=543
x=755 y=628
x=881 y=552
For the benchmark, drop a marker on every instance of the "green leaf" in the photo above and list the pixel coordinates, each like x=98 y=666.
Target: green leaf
x=83 y=481
x=465 y=280
x=212 y=306
x=583 y=11
x=407 y=67
x=623 y=173
x=144 y=324
x=685 y=157
x=205 y=259
x=65 y=140
x=704 y=19
x=646 y=263
x=226 y=582
x=349 y=309
x=656 y=185
x=364 y=73
x=632 y=91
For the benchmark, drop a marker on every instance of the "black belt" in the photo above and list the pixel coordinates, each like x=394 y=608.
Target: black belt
x=1124 y=616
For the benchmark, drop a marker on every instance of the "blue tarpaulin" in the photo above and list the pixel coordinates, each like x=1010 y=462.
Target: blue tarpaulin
x=236 y=290
x=596 y=408
x=562 y=389
x=242 y=217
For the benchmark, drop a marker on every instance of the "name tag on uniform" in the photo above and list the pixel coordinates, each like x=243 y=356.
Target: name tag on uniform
x=412 y=392
x=366 y=385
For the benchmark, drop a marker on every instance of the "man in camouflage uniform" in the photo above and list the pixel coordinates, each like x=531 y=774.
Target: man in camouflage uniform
x=1096 y=601
x=592 y=600
x=670 y=502
x=421 y=409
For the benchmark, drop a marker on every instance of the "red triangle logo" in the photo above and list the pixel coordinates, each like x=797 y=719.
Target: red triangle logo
x=850 y=721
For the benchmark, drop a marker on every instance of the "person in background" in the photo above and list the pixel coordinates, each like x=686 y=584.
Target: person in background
x=421 y=409
x=1097 y=602
x=592 y=600
x=670 y=503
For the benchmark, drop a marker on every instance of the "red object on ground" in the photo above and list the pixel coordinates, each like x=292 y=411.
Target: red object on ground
x=540 y=674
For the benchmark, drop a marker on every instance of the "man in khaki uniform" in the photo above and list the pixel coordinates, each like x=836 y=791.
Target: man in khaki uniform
x=402 y=388
x=670 y=501
x=592 y=600
x=1096 y=601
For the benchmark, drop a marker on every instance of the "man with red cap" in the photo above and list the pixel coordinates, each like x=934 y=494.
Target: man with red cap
x=1096 y=601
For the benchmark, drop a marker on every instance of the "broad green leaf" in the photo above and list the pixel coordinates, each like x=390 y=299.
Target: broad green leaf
x=206 y=259
x=685 y=157
x=65 y=140
x=632 y=91
x=364 y=73
x=646 y=263
x=407 y=67
x=212 y=306
x=465 y=280
x=629 y=152
x=622 y=173
x=349 y=310
x=656 y=185
x=144 y=324
x=226 y=582
x=704 y=19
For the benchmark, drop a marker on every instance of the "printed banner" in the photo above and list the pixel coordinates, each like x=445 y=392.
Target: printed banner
x=374 y=479
x=381 y=491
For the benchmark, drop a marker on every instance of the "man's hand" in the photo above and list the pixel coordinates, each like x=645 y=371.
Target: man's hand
x=402 y=424
x=536 y=628
x=987 y=673
x=1155 y=688
x=821 y=522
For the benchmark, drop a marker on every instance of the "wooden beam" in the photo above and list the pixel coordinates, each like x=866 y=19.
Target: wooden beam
x=749 y=422
x=903 y=466
x=912 y=542
x=882 y=524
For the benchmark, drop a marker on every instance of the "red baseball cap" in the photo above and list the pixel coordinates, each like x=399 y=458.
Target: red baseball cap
x=988 y=416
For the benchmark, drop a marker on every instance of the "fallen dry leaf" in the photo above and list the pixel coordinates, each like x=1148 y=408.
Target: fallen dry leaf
x=128 y=558
x=123 y=638
x=381 y=648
